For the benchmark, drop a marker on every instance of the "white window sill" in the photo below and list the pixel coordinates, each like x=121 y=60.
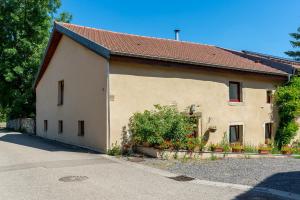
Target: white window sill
x=232 y=103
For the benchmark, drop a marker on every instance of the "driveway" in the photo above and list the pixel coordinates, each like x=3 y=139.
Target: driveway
x=32 y=168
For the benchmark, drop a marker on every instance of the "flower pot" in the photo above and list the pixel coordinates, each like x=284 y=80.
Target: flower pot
x=218 y=149
x=236 y=150
x=263 y=151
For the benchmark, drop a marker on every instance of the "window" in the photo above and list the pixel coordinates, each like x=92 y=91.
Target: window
x=269 y=96
x=80 y=128
x=268 y=131
x=236 y=133
x=60 y=93
x=234 y=91
x=45 y=125
x=60 y=126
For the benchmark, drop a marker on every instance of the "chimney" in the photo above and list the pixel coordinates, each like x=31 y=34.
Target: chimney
x=177 y=34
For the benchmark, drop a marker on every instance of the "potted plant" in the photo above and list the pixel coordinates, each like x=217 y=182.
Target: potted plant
x=264 y=149
x=286 y=150
x=216 y=148
x=237 y=148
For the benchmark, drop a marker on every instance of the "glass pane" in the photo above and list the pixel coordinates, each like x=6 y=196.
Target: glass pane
x=233 y=91
x=233 y=134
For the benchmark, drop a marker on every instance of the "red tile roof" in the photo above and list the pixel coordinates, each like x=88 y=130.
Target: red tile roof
x=161 y=49
x=148 y=47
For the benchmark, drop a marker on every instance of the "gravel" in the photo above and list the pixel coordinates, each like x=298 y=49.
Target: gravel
x=276 y=173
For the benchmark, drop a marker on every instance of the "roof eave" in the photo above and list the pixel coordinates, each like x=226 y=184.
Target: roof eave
x=57 y=28
x=198 y=64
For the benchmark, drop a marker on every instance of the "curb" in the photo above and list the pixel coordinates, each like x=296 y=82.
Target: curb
x=164 y=173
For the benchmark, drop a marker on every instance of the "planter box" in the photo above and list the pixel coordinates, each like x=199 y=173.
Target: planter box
x=288 y=152
x=172 y=154
x=218 y=149
x=263 y=152
x=237 y=150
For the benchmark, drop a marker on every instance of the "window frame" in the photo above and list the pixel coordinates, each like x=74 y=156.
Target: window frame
x=239 y=92
x=81 y=128
x=269 y=94
x=239 y=133
x=60 y=126
x=60 y=95
x=269 y=127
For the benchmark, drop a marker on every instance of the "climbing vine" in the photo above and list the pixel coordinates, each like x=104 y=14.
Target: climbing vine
x=287 y=99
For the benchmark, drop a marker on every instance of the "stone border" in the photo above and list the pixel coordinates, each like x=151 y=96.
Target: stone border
x=165 y=154
x=245 y=188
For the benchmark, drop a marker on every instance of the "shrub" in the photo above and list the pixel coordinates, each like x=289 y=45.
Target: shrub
x=250 y=148
x=287 y=99
x=265 y=148
x=225 y=143
x=237 y=146
x=164 y=123
x=115 y=150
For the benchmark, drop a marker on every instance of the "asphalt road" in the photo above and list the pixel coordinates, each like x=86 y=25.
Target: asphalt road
x=32 y=168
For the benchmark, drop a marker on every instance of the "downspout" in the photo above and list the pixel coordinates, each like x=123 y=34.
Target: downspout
x=290 y=75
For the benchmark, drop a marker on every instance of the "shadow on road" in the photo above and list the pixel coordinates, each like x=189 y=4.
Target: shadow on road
x=284 y=181
x=38 y=142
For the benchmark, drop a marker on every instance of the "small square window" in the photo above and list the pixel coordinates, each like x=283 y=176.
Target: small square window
x=45 y=125
x=269 y=96
x=60 y=126
x=235 y=91
x=236 y=134
x=80 y=128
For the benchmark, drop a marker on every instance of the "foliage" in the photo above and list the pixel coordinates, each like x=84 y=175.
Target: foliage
x=164 y=123
x=286 y=148
x=225 y=143
x=295 y=44
x=287 y=99
x=192 y=143
x=213 y=157
x=237 y=146
x=250 y=148
x=213 y=147
x=24 y=32
x=265 y=148
x=115 y=150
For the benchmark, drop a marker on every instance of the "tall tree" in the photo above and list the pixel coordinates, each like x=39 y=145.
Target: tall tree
x=296 y=44
x=24 y=32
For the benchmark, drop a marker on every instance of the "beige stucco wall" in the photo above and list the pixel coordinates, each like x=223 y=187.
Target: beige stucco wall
x=85 y=89
x=136 y=87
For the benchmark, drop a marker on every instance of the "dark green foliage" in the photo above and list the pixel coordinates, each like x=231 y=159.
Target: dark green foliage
x=24 y=32
x=163 y=123
x=288 y=101
x=296 y=44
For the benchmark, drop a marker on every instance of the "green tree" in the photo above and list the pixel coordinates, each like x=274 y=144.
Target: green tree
x=24 y=32
x=295 y=44
x=287 y=99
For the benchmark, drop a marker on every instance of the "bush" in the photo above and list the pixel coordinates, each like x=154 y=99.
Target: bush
x=287 y=99
x=115 y=150
x=250 y=149
x=164 y=123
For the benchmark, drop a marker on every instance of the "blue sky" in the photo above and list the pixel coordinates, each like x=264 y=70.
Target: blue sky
x=255 y=25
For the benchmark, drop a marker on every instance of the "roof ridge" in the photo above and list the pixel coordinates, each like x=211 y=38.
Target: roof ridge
x=136 y=35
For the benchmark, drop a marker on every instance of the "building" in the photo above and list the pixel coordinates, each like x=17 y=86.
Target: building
x=91 y=81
